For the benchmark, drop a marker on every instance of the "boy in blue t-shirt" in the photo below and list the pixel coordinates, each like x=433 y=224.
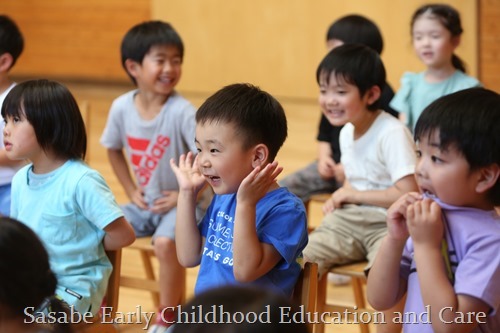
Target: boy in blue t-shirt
x=254 y=230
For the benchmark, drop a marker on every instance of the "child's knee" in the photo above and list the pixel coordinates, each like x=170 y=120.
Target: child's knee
x=164 y=248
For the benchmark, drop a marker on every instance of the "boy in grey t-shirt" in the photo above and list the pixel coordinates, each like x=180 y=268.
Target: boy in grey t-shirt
x=146 y=128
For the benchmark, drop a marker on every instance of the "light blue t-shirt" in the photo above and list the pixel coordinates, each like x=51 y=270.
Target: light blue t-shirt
x=68 y=208
x=280 y=221
x=416 y=93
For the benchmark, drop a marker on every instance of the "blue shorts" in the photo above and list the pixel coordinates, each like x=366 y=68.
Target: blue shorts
x=146 y=223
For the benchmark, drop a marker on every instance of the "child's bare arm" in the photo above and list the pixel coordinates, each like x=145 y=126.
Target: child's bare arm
x=119 y=233
x=325 y=160
x=120 y=167
x=425 y=226
x=188 y=240
x=252 y=259
x=385 y=286
x=380 y=198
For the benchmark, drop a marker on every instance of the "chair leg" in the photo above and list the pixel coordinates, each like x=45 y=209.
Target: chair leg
x=359 y=300
x=150 y=274
x=321 y=302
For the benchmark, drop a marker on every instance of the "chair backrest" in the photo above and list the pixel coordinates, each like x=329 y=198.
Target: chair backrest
x=306 y=288
x=114 y=281
x=110 y=301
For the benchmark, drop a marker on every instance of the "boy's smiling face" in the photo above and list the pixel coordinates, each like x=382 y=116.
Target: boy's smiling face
x=445 y=173
x=221 y=157
x=341 y=102
x=160 y=70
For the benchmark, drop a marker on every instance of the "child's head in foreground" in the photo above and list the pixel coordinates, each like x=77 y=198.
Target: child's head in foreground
x=354 y=29
x=152 y=52
x=238 y=128
x=52 y=116
x=350 y=77
x=458 y=140
x=25 y=275
x=11 y=42
x=245 y=308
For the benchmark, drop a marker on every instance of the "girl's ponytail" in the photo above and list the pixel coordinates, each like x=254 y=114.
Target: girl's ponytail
x=458 y=63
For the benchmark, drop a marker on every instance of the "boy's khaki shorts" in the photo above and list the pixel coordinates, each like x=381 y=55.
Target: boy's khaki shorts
x=348 y=234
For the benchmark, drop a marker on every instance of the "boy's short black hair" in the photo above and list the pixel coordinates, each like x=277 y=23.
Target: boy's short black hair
x=54 y=114
x=11 y=38
x=469 y=120
x=257 y=116
x=140 y=38
x=356 y=29
x=356 y=64
x=250 y=300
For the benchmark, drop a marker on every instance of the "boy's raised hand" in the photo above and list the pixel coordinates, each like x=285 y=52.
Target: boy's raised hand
x=188 y=173
x=397 y=215
x=257 y=183
x=425 y=223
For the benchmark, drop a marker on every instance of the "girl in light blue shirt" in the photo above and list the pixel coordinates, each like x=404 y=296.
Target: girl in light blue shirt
x=67 y=204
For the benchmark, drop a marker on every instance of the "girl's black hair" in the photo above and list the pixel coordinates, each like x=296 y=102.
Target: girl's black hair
x=468 y=120
x=54 y=114
x=449 y=17
x=26 y=280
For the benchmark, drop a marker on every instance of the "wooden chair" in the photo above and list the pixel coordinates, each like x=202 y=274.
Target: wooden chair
x=110 y=300
x=150 y=283
x=306 y=289
x=354 y=271
x=315 y=198
x=358 y=280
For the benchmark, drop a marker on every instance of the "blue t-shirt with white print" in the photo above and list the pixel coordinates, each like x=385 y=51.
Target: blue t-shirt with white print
x=280 y=222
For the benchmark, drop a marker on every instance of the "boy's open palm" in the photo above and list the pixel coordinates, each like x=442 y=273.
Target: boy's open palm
x=258 y=183
x=188 y=173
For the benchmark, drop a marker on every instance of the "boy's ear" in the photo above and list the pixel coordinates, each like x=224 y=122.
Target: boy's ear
x=261 y=154
x=132 y=67
x=373 y=94
x=488 y=177
x=5 y=62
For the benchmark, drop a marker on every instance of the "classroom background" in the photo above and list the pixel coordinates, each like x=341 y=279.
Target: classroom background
x=275 y=44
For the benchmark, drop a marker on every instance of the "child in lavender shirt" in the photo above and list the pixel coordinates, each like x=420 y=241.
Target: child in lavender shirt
x=442 y=245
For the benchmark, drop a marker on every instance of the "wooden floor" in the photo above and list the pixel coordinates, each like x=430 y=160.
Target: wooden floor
x=299 y=149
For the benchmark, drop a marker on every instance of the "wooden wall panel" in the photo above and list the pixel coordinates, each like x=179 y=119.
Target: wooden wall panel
x=489 y=43
x=277 y=44
x=74 y=39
